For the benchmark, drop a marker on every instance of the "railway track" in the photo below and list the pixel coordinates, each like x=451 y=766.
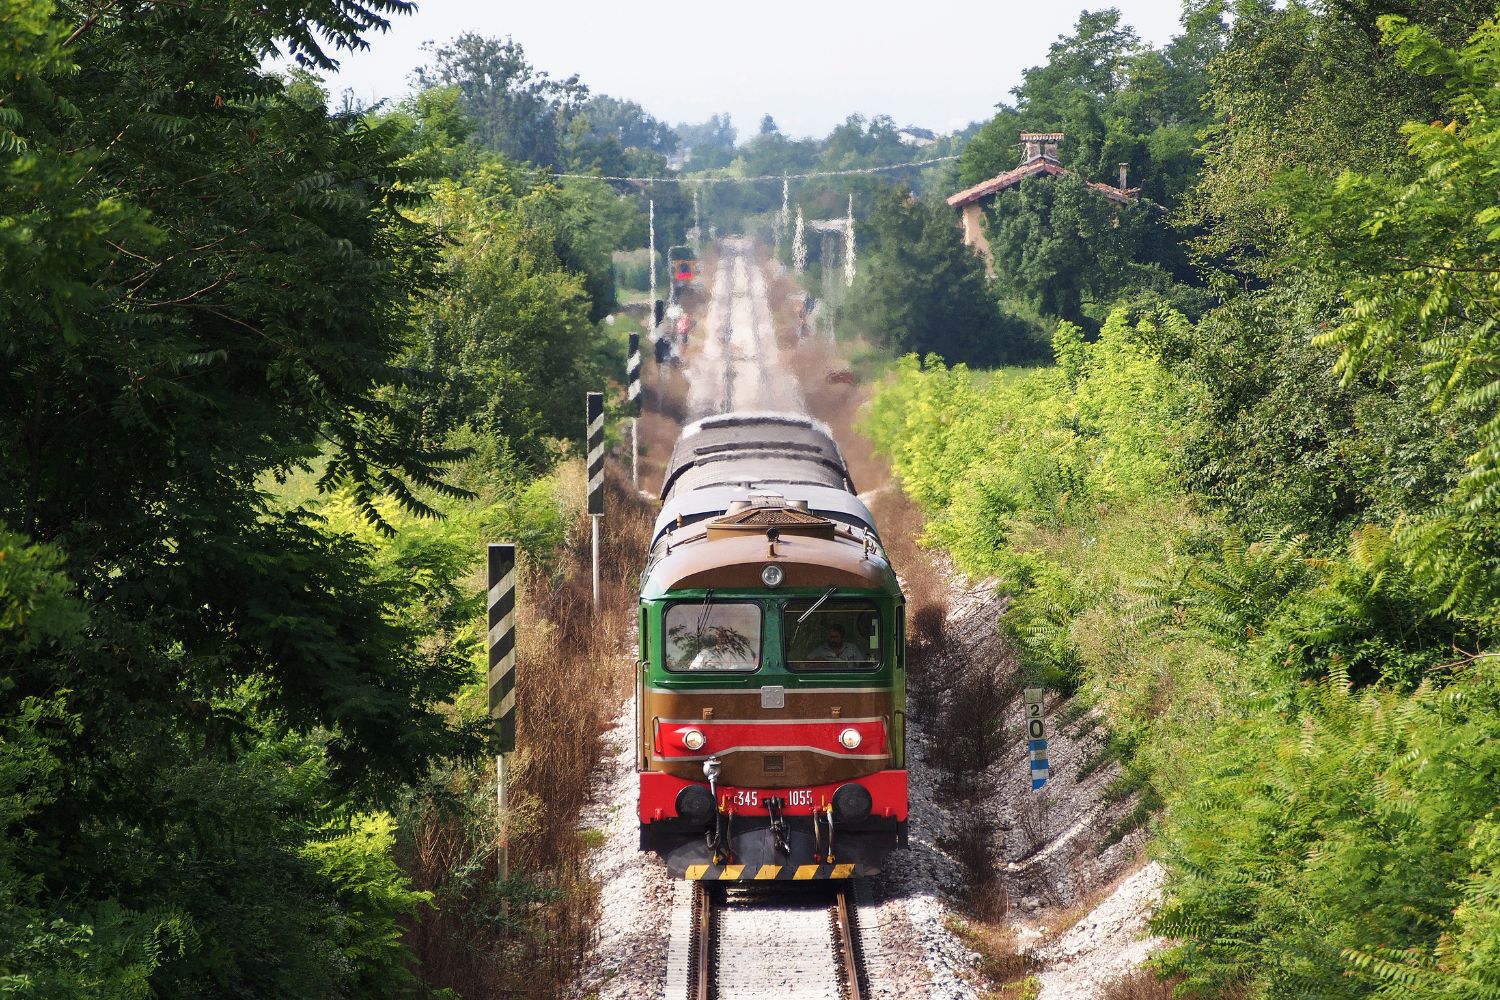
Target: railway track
x=746 y=941
x=737 y=364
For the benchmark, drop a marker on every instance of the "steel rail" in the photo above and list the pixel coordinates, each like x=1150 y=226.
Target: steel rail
x=847 y=945
x=701 y=979
x=703 y=958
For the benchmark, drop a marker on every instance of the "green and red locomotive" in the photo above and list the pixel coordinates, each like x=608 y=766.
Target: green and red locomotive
x=682 y=264
x=771 y=689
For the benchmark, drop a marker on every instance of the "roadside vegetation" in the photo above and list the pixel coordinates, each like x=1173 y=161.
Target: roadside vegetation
x=276 y=367
x=1248 y=512
x=275 y=371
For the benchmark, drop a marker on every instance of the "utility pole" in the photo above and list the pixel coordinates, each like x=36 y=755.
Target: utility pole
x=849 y=245
x=651 y=244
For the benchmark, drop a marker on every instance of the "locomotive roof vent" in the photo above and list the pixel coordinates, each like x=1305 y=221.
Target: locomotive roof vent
x=765 y=500
x=760 y=514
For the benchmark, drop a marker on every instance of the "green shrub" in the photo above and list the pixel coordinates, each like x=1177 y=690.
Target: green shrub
x=1344 y=846
x=1329 y=782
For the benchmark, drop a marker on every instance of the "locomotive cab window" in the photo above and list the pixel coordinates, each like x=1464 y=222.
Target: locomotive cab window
x=829 y=634
x=713 y=636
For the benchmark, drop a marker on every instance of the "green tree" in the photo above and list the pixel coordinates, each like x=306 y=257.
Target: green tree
x=1116 y=101
x=518 y=110
x=1411 y=252
x=507 y=342
x=206 y=285
x=1305 y=85
x=920 y=290
x=710 y=143
x=1282 y=444
x=1067 y=251
x=1094 y=64
x=629 y=123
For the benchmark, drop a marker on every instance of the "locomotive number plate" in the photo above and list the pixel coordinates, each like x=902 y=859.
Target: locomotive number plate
x=773 y=696
x=756 y=797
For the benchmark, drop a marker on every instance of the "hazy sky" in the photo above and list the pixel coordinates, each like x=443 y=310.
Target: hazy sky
x=938 y=63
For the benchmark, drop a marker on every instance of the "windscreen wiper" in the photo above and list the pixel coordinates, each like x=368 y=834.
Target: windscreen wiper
x=815 y=605
x=708 y=607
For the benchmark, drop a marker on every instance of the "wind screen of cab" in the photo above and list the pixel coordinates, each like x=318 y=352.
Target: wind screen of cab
x=717 y=635
x=833 y=635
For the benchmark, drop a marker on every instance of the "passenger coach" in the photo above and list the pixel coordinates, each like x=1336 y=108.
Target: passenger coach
x=771 y=684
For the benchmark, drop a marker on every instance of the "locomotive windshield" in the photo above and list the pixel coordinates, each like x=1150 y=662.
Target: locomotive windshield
x=713 y=635
x=826 y=634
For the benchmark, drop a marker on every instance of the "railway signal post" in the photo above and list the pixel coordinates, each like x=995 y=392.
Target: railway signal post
x=633 y=395
x=594 y=410
x=501 y=601
x=1036 y=738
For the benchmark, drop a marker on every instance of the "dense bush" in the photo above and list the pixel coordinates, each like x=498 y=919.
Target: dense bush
x=1345 y=847
x=1320 y=673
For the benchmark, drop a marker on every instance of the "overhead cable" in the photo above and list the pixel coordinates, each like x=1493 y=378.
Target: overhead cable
x=693 y=179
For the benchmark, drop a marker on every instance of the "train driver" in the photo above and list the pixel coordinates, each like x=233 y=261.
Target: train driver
x=836 y=649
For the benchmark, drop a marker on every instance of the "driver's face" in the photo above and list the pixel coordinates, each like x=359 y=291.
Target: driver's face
x=835 y=639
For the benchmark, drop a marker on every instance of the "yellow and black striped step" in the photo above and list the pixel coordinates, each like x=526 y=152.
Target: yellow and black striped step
x=766 y=873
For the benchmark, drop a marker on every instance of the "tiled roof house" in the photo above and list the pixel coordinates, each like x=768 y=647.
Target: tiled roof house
x=1039 y=157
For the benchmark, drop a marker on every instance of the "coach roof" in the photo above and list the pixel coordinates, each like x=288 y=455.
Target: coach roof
x=754 y=449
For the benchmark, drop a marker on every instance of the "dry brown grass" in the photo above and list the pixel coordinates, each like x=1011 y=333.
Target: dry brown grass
x=1001 y=962
x=1142 y=984
x=527 y=937
x=580 y=662
x=972 y=843
x=1060 y=919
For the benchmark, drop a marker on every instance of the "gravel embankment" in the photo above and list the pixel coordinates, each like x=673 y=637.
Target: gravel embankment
x=629 y=959
x=1111 y=941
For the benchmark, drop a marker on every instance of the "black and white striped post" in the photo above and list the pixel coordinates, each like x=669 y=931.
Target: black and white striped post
x=633 y=395
x=594 y=410
x=501 y=602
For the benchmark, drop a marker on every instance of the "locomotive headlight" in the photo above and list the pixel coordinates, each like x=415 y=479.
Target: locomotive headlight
x=850 y=739
x=693 y=739
x=772 y=575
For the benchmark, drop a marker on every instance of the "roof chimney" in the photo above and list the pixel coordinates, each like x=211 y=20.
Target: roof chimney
x=1124 y=174
x=1040 y=145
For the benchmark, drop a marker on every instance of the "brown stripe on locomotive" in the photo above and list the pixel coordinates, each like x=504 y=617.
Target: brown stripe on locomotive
x=769 y=767
x=812 y=553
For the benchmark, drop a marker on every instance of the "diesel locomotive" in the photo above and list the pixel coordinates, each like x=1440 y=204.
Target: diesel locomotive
x=682 y=264
x=770 y=692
